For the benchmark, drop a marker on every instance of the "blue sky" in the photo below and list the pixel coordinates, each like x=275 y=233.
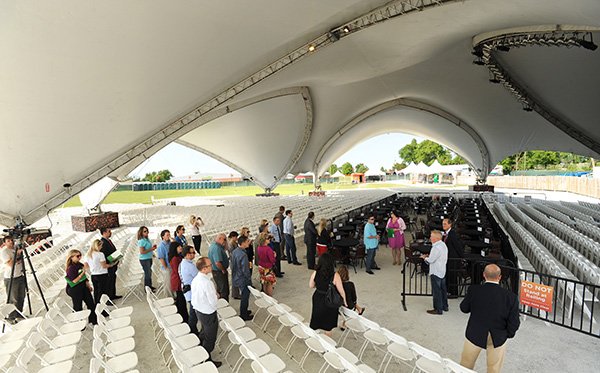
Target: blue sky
x=181 y=161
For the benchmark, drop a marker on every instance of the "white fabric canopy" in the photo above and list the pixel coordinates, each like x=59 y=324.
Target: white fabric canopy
x=338 y=174
x=92 y=196
x=92 y=89
x=435 y=168
x=374 y=172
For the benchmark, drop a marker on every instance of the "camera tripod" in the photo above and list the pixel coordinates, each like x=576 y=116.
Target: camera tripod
x=18 y=245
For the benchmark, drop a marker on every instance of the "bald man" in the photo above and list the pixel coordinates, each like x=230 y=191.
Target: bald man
x=494 y=318
x=220 y=265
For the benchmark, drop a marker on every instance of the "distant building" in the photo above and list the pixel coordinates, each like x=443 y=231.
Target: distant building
x=214 y=176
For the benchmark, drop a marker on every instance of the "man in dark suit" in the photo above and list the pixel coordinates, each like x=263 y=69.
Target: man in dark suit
x=456 y=251
x=107 y=249
x=494 y=318
x=310 y=239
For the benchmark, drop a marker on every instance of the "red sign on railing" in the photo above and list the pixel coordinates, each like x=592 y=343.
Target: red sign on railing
x=536 y=295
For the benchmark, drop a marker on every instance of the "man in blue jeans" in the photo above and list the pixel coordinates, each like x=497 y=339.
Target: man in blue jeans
x=371 y=240
x=437 y=259
x=241 y=276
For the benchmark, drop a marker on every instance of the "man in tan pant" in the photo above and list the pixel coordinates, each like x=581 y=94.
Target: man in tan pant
x=494 y=318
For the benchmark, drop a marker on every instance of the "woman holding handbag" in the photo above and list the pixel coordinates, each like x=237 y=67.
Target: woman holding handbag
x=78 y=286
x=395 y=231
x=266 y=261
x=326 y=281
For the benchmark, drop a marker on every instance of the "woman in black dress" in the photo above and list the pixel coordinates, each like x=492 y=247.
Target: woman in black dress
x=324 y=317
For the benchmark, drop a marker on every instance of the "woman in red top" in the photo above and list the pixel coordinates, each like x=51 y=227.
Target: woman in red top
x=266 y=261
x=175 y=258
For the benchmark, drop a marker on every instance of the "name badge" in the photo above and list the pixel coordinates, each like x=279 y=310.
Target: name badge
x=478 y=221
x=479 y=229
x=486 y=240
x=362 y=214
x=482 y=252
x=338 y=237
x=476 y=215
x=441 y=217
x=334 y=230
x=341 y=225
x=351 y=220
x=376 y=224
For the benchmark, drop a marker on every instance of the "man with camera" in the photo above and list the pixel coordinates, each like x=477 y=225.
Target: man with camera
x=17 y=293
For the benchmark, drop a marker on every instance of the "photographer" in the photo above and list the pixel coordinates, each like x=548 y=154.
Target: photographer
x=17 y=294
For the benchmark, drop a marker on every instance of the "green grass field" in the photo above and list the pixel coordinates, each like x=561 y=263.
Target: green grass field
x=284 y=189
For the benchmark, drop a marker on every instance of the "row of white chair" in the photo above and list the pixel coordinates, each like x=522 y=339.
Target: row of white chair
x=113 y=342
x=173 y=337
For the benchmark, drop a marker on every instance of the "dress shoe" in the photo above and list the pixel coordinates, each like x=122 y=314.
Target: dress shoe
x=282 y=273
x=238 y=298
x=297 y=263
x=433 y=312
x=376 y=268
x=370 y=272
x=247 y=317
x=452 y=296
x=279 y=276
x=116 y=297
x=445 y=309
x=217 y=363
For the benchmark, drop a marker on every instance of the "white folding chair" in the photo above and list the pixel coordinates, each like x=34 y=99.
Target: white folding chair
x=54 y=355
x=117 y=311
x=73 y=315
x=454 y=367
x=397 y=350
x=25 y=356
x=118 y=364
x=427 y=360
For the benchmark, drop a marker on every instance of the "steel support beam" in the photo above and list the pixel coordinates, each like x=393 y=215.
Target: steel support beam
x=486 y=46
x=157 y=140
x=413 y=104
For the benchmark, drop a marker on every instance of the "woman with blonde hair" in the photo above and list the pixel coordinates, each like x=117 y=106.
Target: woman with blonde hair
x=323 y=237
x=98 y=266
x=266 y=261
x=195 y=224
x=78 y=286
x=264 y=226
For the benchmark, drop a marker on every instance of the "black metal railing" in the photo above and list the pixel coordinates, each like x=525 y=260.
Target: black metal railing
x=574 y=303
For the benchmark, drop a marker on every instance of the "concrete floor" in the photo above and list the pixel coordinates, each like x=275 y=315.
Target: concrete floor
x=537 y=347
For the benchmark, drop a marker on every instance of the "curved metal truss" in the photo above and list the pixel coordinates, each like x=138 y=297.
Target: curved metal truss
x=486 y=46
x=304 y=91
x=171 y=131
x=413 y=104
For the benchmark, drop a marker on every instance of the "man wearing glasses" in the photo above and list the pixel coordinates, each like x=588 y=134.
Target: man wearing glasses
x=371 y=240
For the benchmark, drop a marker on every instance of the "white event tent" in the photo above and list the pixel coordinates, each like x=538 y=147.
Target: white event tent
x=92 y=89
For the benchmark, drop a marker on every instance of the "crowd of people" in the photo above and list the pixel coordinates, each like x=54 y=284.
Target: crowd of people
x=197 y=283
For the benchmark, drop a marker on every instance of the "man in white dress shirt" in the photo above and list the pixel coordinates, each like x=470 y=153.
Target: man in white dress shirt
x=437 y=259
x=204 y=301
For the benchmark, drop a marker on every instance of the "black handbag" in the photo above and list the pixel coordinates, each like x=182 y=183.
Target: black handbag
x=333 y=297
